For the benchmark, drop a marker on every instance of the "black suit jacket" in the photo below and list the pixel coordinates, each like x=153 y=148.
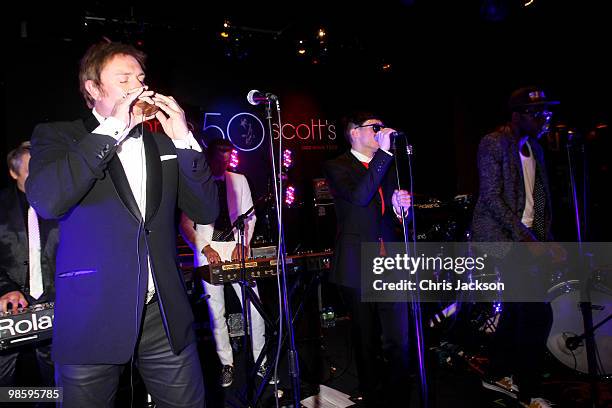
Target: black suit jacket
x=501 y=201
x=101 y=278
x=358 y=210
x=14 y=250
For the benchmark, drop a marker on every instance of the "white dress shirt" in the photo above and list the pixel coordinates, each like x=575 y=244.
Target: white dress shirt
x=36 y=280
x=132 y=156
x=529 y=169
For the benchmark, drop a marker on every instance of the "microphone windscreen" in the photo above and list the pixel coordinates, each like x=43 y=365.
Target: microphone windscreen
x=251 y=97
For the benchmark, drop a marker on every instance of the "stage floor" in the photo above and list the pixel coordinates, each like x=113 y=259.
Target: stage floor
x=326 y=358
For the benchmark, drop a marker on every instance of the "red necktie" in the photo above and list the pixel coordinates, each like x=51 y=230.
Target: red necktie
x=367 y=165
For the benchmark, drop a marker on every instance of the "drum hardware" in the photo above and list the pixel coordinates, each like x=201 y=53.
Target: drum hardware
x=453 y=355
x=566 y=341
x=574 y=342
x=585 y=298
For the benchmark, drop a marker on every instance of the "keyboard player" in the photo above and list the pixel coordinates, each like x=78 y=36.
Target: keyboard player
x=27 y=263
x=205 y=241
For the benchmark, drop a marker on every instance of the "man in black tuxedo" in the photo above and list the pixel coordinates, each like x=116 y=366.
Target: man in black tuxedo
x=27 y=266
x=368 y=209
x=115 y=187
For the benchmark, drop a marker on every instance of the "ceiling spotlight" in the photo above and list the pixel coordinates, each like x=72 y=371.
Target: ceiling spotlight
x=224 y=34
x=321 y=33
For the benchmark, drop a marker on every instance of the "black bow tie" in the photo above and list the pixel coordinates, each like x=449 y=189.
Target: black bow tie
x=135 y=132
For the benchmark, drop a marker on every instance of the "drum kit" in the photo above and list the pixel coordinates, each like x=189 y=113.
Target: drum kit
x=449 y=221
x=566 y=340
x=443 y=220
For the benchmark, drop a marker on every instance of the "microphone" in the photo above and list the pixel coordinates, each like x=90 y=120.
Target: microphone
x=573 y=342
x=396 y=134
x=254 y=97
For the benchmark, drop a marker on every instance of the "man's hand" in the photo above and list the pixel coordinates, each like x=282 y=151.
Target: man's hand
x=557 y=253
x=383 y=138
x=211 y=255
x=171 y=117
x=124 y=110
x=15 y=298
x=236 y=253
x=549 y=251
x=537 y=248
x=401 y=199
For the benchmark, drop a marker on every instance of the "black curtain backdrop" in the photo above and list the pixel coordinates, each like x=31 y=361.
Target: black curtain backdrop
x=452 y=68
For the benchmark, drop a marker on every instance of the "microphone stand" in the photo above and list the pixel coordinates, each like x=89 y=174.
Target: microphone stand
x=415 y=304
x=284 y=305
x=248 y=297
x=586 y=306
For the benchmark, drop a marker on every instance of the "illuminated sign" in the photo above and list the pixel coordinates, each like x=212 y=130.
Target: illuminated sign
x=247 y=132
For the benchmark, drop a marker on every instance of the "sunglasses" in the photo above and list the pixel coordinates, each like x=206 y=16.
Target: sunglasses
x=376 y=127
x=539 y=114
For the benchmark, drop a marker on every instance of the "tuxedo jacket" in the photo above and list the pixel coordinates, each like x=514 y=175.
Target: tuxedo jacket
x=501 y=201
x=239 y=200
x=359 y=210
x=14 y=249
x=102 y=273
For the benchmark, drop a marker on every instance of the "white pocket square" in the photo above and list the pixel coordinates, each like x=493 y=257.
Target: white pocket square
x=167 y=157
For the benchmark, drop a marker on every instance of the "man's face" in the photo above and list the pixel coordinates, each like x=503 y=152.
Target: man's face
x=363 y=135
x=22 y=175
x=534 y=121
x=121 y=74
x=220 y=160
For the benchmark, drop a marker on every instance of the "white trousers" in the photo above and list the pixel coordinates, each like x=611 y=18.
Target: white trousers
x=216 y=307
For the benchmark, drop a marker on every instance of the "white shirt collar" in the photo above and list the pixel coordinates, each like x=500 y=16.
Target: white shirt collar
x=360 y=156
x=98 y=116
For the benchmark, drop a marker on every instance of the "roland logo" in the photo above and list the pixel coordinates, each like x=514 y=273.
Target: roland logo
x=30 y=324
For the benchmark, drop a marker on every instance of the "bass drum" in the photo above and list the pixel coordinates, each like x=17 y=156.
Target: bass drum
x=567 y=323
